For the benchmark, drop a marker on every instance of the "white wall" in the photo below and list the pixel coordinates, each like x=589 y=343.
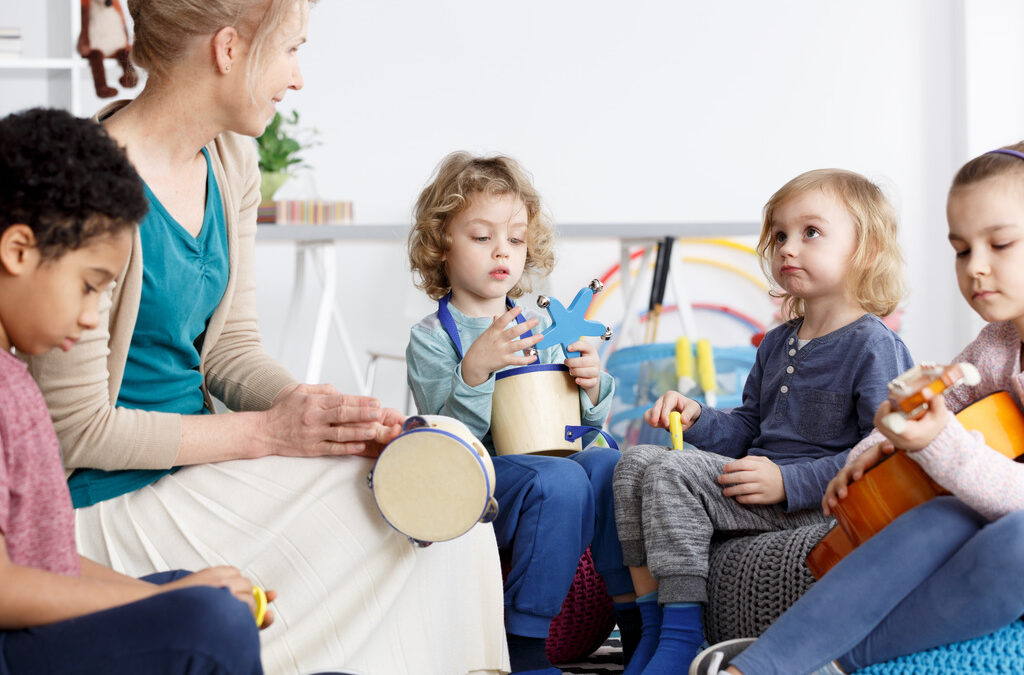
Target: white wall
x=652 y=111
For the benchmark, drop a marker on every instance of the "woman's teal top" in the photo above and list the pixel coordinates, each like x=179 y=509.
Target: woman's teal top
x=183 y=281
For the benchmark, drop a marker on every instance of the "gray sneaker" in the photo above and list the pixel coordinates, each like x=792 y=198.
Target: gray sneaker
x=717 y=656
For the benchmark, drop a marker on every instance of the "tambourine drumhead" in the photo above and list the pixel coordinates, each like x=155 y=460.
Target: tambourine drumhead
x=531 y=407
x=432 y=485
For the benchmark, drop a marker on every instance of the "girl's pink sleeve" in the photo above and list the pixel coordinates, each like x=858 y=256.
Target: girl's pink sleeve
x=871 y=440
x=986 y=480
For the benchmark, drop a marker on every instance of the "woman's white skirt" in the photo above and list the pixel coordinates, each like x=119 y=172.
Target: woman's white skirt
x=352 y=592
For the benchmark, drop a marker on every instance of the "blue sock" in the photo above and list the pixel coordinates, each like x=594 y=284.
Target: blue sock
x=682 y=635
x=527 y=655
x=650 y=629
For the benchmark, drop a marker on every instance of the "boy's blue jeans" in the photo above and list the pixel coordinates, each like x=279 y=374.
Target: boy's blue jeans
x=939 y=573
x=193 y=631
x=549 y=510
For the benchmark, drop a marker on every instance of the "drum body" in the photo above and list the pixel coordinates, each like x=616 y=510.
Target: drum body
x=531 y=407
x=434 y=481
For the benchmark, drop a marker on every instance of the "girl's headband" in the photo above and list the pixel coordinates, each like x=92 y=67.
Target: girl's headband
x=1006 y=151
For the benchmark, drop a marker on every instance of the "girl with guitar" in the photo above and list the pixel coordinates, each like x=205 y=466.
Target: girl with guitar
x=948 y=570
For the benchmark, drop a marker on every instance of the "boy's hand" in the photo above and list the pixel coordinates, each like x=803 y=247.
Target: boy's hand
x=657 y=415
x=224 y=576
x=855 y=470
x=753 y=480
x=499 y=347
x=920 y=432
x=388 y=426
x=586 y=369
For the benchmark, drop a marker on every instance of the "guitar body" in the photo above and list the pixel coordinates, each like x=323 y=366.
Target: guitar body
x=898 y=483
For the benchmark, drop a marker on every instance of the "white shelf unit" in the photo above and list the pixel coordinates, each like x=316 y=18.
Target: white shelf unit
x=53 y=75
x=60 y=67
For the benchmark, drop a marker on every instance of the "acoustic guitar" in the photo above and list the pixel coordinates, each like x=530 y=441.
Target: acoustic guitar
x=898 y=483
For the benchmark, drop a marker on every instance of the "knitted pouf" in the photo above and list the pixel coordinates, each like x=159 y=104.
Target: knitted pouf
x=752 y=580
x=587 y=617
x=999 y=653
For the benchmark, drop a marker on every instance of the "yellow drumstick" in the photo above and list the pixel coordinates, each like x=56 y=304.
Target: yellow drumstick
x=706 y=371
x=261 y=604
x=684 y=365
x=675 y=429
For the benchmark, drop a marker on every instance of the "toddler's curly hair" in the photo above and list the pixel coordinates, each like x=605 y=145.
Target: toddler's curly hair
x=66 y=179
x=457 y=178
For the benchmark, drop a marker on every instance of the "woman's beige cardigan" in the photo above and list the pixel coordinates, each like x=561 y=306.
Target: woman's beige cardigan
x=81 y=386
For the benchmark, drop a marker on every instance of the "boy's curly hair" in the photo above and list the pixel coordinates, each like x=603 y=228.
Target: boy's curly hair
x=66 y=179
x=876 y=280
x=456 y=179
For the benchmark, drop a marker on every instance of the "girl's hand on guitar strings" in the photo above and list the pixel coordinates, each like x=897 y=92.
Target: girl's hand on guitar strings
x=855 y=470
x=917 y=433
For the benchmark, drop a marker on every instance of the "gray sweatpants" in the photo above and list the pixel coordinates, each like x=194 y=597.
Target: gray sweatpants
x=668 y=504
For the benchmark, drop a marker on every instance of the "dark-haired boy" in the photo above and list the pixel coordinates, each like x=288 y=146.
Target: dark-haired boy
x=69 y=203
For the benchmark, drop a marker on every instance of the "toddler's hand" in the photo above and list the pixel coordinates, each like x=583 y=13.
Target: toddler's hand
x=920 y=432
x=753 y=480
x=855 y=470
x=657 y=415
x=499 y=347
x=386 y=429
x=586 y=369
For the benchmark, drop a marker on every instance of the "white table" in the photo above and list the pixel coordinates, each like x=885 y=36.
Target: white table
x=318 y=243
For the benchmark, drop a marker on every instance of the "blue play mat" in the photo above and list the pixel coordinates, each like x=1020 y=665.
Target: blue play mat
x=999 y=653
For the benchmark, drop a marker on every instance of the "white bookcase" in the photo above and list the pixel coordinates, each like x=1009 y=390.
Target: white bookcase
x=49 y=71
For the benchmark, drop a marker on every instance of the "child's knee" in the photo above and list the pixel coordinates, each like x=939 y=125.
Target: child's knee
x=599 y=463
x=633 y=463
x=564 y=483
x=217 y=624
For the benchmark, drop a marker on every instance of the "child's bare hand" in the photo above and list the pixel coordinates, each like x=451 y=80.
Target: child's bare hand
x=855 y=470
x=753 y=480
x=916 y=433
x=657 y=415
x=586 y=369
x=387 y=427
x=499 y=347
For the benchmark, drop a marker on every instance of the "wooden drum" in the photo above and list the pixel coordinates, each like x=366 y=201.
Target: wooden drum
x=434 y=481
x=531 y=407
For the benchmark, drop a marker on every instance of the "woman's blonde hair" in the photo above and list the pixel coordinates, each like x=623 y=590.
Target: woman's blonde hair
x=988 y=165
x=164 y=28
x=457 y=178
x=876 y=279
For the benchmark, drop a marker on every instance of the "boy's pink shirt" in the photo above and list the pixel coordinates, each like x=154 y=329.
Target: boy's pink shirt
x=957 y=459
x=36 y=517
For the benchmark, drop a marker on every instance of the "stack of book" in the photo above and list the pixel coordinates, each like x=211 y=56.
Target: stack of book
x=10 y=42
x=305 y=212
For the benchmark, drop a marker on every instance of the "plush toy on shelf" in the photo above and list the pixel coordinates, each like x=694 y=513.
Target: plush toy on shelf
x=105 y=35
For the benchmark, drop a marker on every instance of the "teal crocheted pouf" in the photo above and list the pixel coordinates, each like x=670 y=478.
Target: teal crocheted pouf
x=999 y=653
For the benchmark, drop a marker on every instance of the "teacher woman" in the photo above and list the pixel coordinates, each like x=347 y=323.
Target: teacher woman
x=159 y=481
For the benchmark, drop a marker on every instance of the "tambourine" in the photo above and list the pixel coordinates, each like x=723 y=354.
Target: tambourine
x=434 y=481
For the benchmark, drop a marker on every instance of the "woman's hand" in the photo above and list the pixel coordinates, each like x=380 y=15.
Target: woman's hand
x=586 y=369
x=920 y=432
x=224 y=576
x=855 y=470
x=753 y=480
x=657 y=415
x=499 y=347
x=311 y=420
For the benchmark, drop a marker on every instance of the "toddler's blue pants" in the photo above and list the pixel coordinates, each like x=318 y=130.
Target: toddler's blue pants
x=549 y=510
x=190 y=631
x=939 y=573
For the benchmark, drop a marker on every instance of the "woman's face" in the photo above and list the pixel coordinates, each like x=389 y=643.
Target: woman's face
x=278 y=72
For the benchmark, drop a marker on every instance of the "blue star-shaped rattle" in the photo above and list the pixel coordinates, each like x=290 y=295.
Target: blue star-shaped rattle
x=569 y=325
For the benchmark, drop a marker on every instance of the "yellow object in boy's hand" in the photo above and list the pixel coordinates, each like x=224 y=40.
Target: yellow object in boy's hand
x=261 y=605
x=675 y=429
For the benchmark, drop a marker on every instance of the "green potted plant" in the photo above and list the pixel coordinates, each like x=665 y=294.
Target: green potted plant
x=279 y=147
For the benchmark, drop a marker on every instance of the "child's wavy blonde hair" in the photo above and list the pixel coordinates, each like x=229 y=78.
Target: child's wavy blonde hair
x=876 y=279
x=457 y=178
x=988 y=165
